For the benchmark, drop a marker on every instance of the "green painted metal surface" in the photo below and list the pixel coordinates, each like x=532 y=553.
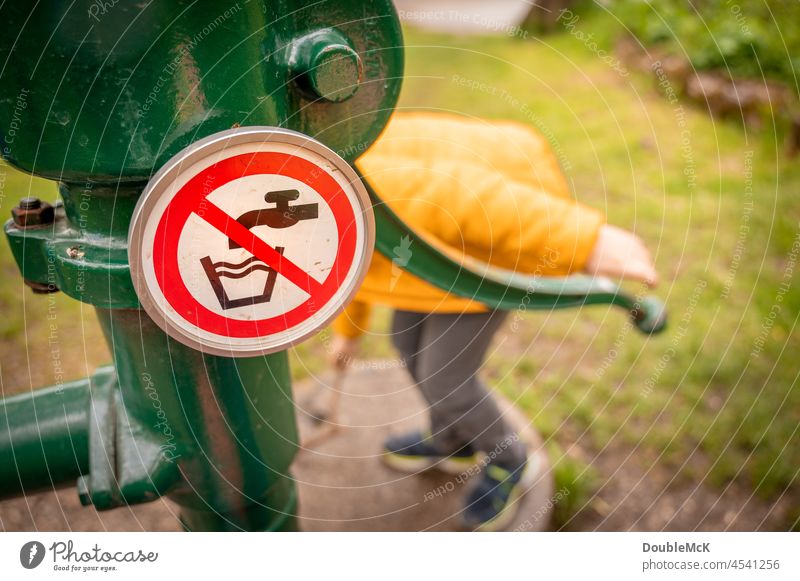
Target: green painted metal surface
x=215 y=434
x=44 y=437
x=84 y=251
x=108 y=95
x=115 y=90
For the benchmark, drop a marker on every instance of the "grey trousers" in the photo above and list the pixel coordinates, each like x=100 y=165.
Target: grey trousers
x=443 y=353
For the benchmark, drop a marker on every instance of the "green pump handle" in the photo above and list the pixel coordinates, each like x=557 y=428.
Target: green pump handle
x=503 y=289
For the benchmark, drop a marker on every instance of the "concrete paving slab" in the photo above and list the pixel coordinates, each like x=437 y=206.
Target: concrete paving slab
x=343 y=485
x=61 y=511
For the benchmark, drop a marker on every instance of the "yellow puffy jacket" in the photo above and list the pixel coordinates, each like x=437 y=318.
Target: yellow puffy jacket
x=490 y=190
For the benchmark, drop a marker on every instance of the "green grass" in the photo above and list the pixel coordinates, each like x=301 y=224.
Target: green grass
x=750 y=38
x=714 y=412
x=44 y=339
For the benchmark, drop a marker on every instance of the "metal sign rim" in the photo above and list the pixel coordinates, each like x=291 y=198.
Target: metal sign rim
x=200 y=150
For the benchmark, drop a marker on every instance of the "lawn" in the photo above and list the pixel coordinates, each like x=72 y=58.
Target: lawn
x=713 y=401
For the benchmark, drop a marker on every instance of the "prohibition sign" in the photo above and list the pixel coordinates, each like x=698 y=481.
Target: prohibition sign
x=249 y=241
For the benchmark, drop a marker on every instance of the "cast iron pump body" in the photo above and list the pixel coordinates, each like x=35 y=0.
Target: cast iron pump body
x=111 y=91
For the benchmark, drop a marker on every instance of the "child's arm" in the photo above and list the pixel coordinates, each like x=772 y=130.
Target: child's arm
x=347 y=330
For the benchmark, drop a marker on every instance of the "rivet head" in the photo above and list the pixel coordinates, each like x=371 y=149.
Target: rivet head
x=326 y=66
x=335 y=73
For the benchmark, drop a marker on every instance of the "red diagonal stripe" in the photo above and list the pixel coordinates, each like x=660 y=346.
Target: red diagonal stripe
x=258 y=248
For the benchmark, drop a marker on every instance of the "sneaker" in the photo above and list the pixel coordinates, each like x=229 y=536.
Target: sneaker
x=492 y=504
x=416 y=452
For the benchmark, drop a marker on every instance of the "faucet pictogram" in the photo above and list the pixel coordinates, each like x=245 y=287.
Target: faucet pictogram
x=281 y=216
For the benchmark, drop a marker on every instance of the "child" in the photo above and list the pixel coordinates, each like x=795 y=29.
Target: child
x=488 y=190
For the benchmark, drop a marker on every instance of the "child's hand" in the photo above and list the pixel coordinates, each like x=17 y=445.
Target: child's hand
x=619 y=253
x=343 y=351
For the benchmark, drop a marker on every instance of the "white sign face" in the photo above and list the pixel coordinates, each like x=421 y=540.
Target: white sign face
x=250 y=241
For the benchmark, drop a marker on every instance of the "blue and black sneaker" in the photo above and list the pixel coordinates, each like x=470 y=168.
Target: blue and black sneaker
x=416 y=452
x=493 y=503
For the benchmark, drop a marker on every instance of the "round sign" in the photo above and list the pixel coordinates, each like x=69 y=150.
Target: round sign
x=250 y=240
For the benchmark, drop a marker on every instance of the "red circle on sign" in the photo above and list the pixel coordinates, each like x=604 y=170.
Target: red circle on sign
x=188 y=200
